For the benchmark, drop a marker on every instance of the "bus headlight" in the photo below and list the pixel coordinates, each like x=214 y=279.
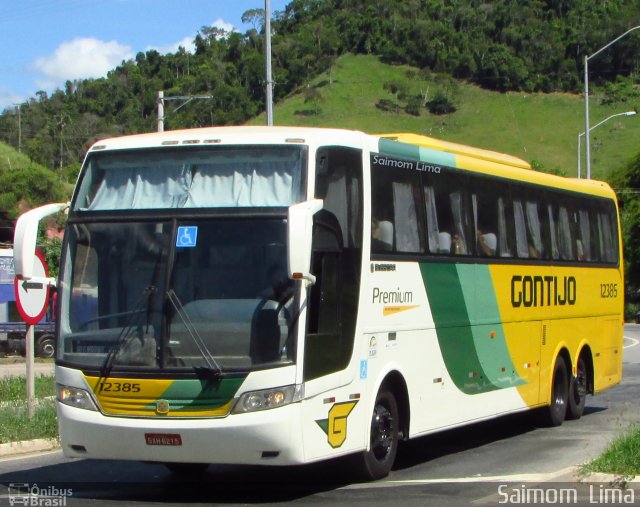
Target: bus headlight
x=265 y=399
x=75 y=397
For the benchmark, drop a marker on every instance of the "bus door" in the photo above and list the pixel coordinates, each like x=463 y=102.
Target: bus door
x=332 y=310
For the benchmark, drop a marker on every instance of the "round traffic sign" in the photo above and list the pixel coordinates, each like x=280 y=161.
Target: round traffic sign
x=32 y=297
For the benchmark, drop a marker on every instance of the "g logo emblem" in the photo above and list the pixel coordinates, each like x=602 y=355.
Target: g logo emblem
x=336 y=425
x=162 y=407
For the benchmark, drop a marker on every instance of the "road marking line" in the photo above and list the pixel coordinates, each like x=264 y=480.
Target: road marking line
x=535 y=477
x=633 y=344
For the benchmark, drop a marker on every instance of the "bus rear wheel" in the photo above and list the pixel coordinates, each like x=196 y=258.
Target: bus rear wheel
x=578 y=391
x=556 y=412
x=376 y=463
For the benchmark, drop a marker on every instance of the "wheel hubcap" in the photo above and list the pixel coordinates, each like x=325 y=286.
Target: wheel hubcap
x=381 y=432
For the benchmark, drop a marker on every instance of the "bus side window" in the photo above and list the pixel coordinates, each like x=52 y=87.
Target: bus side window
x=565 y=244
x=441 y=236
x=606 y=236
x=553 y=232
x=395 y=214
x=460 y=213
x=486 y=221
x=583 y=243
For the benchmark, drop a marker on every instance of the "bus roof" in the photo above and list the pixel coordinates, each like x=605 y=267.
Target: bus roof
x=458 y=149
x=471 y=158
x=502 y=165
x=211 y=136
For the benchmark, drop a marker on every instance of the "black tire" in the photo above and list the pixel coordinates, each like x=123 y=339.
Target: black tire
x=376 y=463
x=578 y=391
x=556 y=412
x=46 y=346
x=187 y=469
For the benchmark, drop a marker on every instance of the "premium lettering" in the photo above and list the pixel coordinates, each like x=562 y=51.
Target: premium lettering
x=397 y=296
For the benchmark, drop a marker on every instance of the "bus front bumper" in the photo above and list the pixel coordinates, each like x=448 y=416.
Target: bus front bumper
x=268 y=437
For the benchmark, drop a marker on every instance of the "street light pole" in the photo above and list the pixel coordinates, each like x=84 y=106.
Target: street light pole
x=628 y=113
x=185 y=98
x=586 y=96
x=267 y=33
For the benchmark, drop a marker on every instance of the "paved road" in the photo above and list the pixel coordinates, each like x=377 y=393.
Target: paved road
x=16 y=367
x=467 y=466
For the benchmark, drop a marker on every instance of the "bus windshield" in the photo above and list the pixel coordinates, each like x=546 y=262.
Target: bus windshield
x=177 y=259
x=177 y=294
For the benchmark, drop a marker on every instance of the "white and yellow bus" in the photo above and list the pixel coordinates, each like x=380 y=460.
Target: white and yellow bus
x=285 y=295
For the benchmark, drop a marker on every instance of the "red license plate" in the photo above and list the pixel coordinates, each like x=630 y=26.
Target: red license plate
x=163 y=438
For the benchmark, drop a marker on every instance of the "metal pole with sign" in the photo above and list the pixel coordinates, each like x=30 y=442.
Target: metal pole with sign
x=32 y=298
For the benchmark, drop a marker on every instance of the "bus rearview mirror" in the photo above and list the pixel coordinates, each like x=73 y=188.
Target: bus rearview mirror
x=25 y=236
x=299 y=239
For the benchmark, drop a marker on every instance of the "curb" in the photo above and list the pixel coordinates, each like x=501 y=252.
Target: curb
x=575 y=474
x=28 y=447
x=614 y=480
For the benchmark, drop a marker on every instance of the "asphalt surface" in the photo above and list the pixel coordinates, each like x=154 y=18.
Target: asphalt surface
x=475 y=465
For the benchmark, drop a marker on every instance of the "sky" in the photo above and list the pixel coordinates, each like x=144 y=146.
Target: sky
x=44 y=43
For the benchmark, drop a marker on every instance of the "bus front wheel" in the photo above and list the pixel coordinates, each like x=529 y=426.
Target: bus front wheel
x=376 y=462
x=556 y=412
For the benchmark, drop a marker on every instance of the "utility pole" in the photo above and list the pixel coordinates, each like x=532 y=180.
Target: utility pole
x=161 y=111
x=61 y=131
x=162 y=99
x=19 y=130
x=267 y=33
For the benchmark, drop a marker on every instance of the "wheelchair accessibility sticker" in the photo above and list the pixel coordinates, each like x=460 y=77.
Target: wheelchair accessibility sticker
x=187 y=236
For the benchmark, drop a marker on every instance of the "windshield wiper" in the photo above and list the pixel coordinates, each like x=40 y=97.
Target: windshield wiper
x=212 y=365
x=125 y=334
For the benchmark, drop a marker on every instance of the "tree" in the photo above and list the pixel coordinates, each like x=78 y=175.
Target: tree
x=255 y=17
x=627 y=183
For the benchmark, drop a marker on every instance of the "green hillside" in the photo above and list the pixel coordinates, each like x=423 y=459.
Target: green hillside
x=11 y=159
x=536 y=127
x=23 y=183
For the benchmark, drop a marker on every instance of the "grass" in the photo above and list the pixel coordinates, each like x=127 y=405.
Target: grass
x=15 y=424
x=622 y=457
x=535 y=127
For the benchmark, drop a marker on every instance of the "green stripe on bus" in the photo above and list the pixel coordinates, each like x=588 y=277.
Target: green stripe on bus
x=200 y=394
x=453 y=329
x=404 y=150
x=394 y=148
x=437 y=157
x=488 y=334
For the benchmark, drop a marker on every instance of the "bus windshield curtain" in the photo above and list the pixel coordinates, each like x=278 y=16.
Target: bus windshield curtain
x=229 y=183
x=241 y=184
x=139 y=188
